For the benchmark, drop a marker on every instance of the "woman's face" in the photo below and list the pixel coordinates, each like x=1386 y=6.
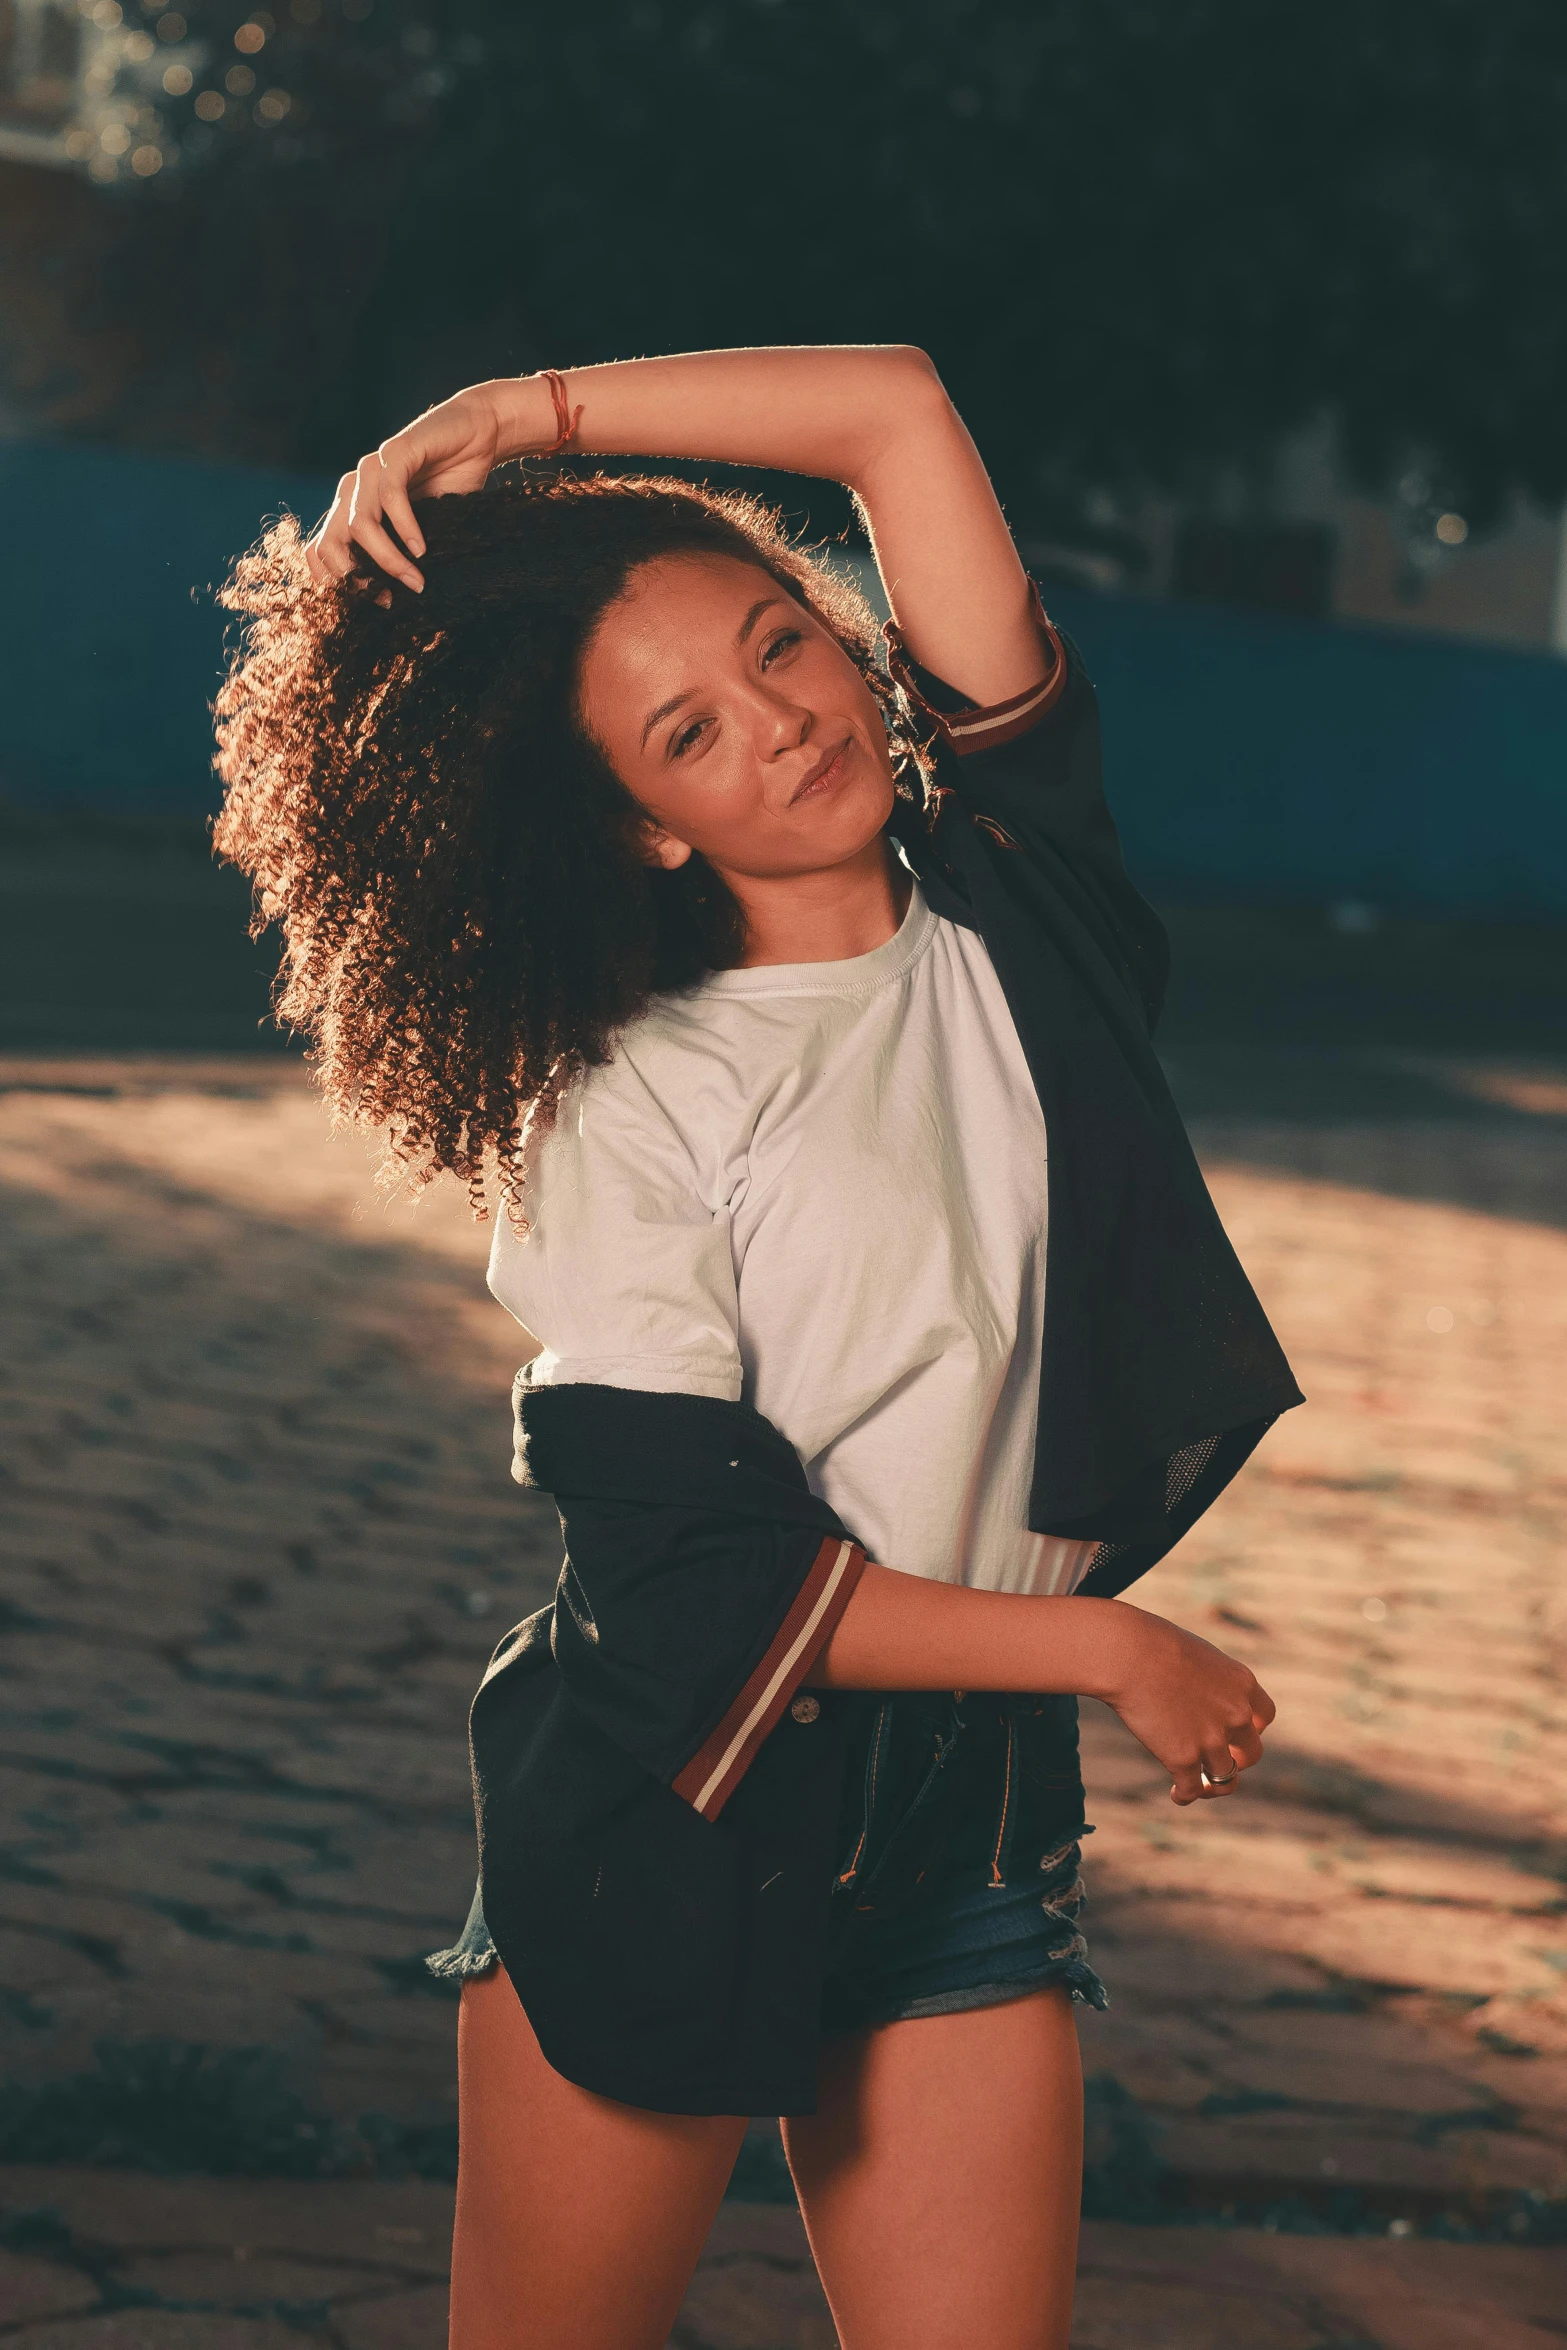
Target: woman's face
x=736 y=720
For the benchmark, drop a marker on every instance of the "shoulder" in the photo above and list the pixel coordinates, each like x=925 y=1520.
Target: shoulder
x=672 y=1095
x=657 y=1133
x=622 y=1274
x=632 y=1124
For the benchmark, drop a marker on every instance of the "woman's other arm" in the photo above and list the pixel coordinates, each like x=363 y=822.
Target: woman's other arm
x=875 y=418
x=1196 y=1710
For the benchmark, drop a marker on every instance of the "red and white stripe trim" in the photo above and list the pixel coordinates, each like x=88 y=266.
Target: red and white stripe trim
x=716 y=1769
x=965 y=731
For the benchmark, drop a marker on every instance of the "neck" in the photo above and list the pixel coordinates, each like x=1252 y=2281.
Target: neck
x=824 y=917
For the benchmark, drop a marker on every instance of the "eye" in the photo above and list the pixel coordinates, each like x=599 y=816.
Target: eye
x=687 y=739
x=781 y=643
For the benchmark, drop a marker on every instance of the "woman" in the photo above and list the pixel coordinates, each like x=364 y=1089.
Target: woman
x=885 y=1331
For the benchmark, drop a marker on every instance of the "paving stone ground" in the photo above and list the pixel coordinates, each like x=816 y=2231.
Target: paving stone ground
x=127 y=2262
x=257 y=1539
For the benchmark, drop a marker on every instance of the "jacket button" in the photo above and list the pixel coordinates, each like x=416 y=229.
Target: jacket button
x=805 y=1709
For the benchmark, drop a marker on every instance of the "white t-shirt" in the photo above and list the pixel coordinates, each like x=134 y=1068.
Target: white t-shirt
x=820 y=1188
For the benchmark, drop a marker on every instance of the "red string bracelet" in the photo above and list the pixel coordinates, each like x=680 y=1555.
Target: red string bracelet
x=567 y=418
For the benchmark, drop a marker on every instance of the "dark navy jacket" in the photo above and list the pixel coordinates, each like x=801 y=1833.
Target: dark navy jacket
x=656 y=1801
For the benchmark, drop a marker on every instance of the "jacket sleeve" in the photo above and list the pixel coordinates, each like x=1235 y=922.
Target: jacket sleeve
x=1028 y=774
x=702 y=1578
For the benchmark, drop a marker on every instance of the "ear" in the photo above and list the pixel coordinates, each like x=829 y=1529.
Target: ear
x=661 y=848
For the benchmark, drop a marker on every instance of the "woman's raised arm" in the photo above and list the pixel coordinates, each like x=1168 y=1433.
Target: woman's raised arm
x=876 y=418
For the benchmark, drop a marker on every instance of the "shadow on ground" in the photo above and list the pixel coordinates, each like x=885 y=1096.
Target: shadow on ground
x=259 y=1538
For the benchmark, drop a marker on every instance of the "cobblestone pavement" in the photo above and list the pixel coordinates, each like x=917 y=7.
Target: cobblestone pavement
x=119 y=2261
x=1355 y=1973
x=258 y=1538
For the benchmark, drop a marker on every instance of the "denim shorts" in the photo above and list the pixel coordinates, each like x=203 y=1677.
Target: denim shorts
x=957 y=1884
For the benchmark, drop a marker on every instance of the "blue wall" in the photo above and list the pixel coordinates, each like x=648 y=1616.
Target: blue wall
x=1250 y=756
x=110 y=641
x=1246 y=757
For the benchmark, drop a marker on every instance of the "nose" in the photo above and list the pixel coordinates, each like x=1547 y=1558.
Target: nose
x=781 y=723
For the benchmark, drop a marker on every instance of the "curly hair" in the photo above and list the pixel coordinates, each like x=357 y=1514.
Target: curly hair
x=468 y=921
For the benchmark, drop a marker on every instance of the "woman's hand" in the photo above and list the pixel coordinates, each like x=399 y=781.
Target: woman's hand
x=450 y=449
x=1199 y=1712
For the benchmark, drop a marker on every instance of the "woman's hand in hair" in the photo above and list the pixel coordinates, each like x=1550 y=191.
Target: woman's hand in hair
x=1198 y=1711
x=449 y=450
x=874 y=417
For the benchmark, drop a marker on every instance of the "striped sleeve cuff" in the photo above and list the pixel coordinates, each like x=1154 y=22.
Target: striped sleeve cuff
x=968 y=730
x=716 y=1769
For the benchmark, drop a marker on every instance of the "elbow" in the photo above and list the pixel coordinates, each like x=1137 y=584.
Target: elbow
x=909 y=405
x=918 y=381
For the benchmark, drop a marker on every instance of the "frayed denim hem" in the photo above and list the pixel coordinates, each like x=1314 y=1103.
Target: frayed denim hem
x=473 y=1953
x=1073 y=1974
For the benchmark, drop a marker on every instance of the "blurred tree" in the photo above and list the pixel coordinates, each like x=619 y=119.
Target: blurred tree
x=1142 y=238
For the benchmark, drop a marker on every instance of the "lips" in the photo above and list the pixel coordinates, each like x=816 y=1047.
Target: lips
x=823 y=775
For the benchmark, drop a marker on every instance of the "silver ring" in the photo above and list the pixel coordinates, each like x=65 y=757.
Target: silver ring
x=1210 y=1781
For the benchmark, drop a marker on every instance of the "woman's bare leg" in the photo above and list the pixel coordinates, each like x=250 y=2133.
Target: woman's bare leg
x=579 y=2221
x=941 y=2176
